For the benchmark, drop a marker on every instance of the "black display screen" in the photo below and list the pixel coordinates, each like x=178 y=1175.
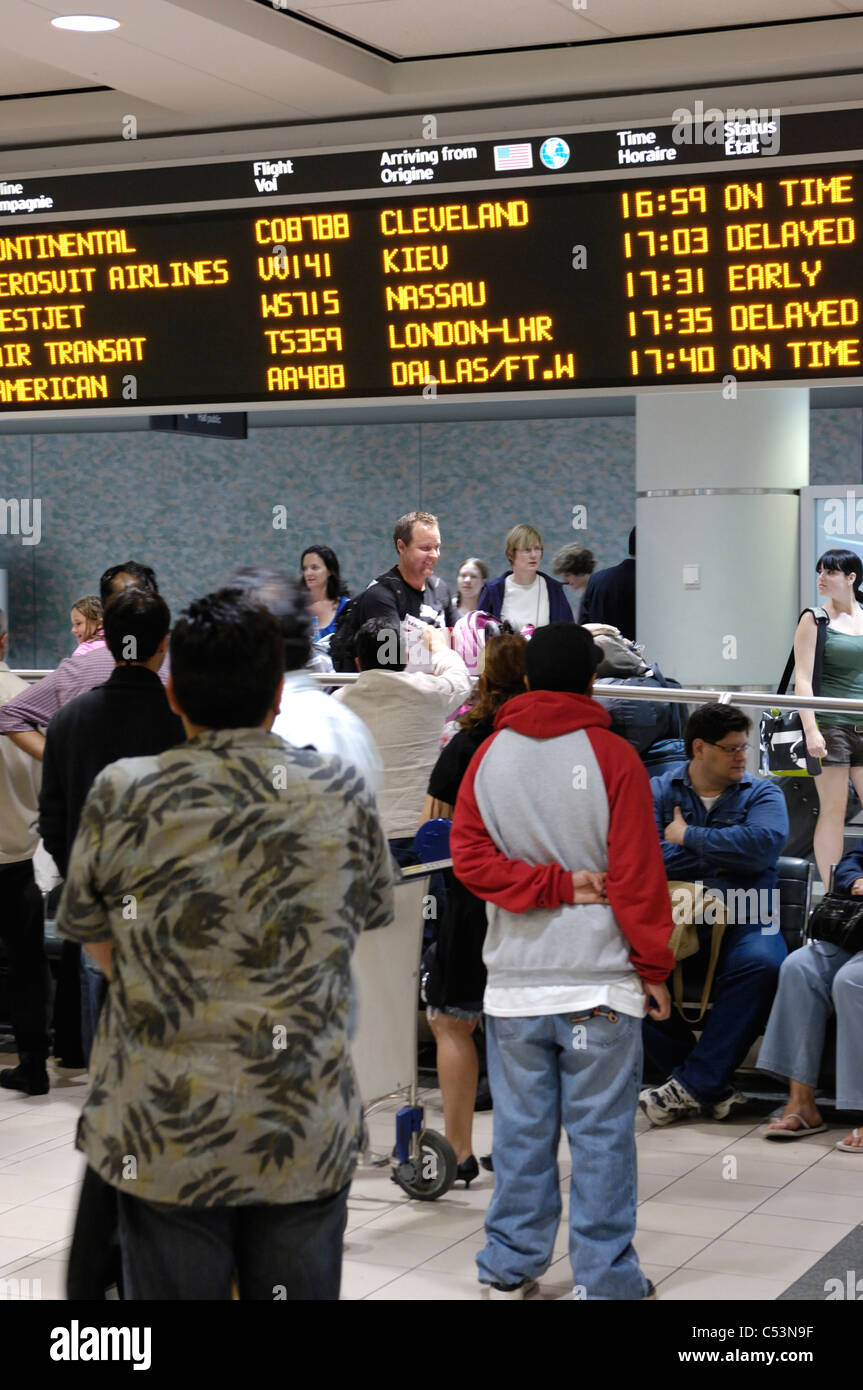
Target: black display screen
x=510 y=289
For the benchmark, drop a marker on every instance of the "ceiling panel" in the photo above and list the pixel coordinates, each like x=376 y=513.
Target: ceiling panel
x=634 y=17
x=21 y=76
x=415 y=28
x=216 y=65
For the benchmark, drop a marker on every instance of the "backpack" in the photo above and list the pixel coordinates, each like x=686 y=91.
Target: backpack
x=350 y=620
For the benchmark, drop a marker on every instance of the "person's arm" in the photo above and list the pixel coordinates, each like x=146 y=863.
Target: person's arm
x=32 y=742
x=380 y=908
x=34 y=708
x=679 y=862
x=82 y=914
x=805 y=642
x=102 y=952
x=52 y=806
x=448 y=670
x=378 y=601
x=559 y=608
x=587 y=613
x=491 y=598
x=750 y=846
x=434 y=809
x=849 y=870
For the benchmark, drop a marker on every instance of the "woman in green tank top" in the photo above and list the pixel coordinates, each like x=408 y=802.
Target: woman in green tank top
x=837 y=739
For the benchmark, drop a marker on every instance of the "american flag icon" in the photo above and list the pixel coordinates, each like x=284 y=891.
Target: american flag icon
x=508 y=157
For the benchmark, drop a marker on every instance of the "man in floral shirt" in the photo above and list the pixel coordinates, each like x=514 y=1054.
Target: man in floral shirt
x=221 y=887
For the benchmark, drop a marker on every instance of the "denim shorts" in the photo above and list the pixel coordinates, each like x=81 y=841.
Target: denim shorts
x=469 y=1015
x=844 y=744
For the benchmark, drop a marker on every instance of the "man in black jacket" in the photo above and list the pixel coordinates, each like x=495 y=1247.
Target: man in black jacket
x=127 y=717
x=610 y=595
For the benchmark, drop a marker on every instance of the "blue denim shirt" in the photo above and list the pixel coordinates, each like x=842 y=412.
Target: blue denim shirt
x=849 y=868
x=733 y=845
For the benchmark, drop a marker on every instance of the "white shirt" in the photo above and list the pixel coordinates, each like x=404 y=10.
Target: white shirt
x=309 y=716
x=525 y=604
x=528 y=1001
x=405 y=713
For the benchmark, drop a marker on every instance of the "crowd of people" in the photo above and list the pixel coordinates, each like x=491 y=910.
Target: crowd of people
x=225 y=828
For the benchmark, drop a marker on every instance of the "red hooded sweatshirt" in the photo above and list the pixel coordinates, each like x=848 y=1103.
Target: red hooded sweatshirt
x=553 y=790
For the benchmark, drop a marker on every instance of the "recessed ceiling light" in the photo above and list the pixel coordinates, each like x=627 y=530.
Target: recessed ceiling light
x=85 y=23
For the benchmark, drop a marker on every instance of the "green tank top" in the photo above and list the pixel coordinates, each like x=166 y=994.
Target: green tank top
x=843 y=674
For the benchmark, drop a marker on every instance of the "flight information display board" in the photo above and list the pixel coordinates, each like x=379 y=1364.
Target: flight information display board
x=516 y=287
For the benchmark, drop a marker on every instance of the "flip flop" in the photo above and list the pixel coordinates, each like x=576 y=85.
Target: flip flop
x=851 y=1148
x=784 y=1135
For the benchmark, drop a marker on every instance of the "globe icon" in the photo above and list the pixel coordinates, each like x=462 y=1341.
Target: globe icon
x=554 y=152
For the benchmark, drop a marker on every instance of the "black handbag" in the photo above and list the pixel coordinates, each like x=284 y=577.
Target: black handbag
x=783 y=741
x=838 y=920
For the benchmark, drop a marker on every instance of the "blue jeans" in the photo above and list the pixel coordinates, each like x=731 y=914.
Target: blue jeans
x=542 y=1074
x=816 y=982
x=94 y=987
x=743 y=990
x=278 y=1253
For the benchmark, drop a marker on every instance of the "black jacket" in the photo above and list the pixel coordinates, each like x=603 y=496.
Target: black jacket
x=127 y=717
x=610 y=598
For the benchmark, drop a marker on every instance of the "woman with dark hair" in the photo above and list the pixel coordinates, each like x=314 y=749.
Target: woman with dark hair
x=453 y=971
x=326 y=592
x=837 y=739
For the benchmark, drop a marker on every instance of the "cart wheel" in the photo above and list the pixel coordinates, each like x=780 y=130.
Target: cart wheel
x=432 y=1172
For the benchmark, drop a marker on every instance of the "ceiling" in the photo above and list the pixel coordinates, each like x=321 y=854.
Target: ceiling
x=191 y=67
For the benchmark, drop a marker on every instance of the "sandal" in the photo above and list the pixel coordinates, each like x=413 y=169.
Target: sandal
x=784 y=1135
x=851 y=1148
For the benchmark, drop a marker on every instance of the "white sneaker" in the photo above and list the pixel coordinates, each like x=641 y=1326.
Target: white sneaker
x=528 y=1289
x=664 y=1104
x=721 y=1109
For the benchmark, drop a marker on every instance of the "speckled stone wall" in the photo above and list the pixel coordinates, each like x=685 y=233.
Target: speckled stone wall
x=195 y=508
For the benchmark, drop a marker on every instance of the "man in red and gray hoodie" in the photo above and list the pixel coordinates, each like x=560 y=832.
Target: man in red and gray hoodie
x=554 y=828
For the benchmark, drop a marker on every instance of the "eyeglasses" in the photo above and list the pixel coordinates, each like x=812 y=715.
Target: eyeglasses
x=724 y=748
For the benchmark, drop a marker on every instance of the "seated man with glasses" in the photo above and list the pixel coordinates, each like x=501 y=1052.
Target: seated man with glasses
x=725 y=829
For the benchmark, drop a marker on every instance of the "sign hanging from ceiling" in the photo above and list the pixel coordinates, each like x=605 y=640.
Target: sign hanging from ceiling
x=592 y=261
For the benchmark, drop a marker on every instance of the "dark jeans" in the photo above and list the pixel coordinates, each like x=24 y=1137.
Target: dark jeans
x=94 y=987
x=745 y=983
x=22 y=928
x=94 y=1260
x=67 y=1006
x=276 y=1252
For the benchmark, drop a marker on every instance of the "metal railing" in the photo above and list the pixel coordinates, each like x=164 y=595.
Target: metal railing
x=755 y=699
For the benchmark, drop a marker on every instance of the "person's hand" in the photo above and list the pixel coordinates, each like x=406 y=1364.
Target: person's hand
x=601 y=629
x=676 y=828
x=588 y=887
x=815 y=745
x=857 y=888
x=658 y=1000
x=432 y=637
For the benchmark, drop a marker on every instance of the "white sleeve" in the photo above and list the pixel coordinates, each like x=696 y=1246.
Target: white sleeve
x=451 y=678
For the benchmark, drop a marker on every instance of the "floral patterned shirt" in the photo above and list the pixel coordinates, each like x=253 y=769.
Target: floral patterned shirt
x=232 y=875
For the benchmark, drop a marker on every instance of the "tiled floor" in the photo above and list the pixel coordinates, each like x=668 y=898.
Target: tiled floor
x=722 y=1215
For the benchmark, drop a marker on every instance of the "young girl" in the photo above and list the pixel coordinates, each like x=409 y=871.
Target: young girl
x=86 y=618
